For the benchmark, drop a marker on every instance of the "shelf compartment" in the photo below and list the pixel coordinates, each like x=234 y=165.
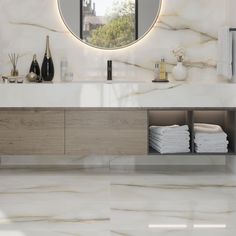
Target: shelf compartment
x=168 y=117
x=224 y=118
x=171 y=117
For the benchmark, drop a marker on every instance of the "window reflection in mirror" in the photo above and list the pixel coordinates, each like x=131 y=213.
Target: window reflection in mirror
x=109 y=23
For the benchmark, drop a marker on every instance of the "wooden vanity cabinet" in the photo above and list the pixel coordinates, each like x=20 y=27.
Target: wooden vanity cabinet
x=31 y=132
x=58 y=131
x=120 y=132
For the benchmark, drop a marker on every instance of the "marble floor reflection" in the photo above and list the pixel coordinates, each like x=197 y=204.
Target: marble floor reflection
x=112 y=203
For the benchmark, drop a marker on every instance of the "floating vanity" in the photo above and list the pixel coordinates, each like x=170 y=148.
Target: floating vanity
x=106 y=119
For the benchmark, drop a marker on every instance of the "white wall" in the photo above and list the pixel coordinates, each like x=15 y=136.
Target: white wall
x=231 y=12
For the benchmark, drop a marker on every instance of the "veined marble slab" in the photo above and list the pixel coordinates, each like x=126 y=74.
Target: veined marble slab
x=192 y=24
x=117 y=95
x=73 y=203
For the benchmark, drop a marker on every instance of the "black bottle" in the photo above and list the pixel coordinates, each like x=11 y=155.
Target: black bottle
x=47 y=69
x=35 y=66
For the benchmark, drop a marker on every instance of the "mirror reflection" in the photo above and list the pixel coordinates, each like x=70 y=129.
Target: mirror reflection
x=109 y=24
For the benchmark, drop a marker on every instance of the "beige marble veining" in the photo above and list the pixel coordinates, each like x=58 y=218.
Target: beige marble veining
x=100 y=202
x=192 y=24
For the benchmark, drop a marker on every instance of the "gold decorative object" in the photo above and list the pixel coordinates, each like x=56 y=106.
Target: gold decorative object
x=32 y=77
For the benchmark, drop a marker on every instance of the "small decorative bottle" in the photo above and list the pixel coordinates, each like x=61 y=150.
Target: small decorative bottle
x=162 y=69
x=156 y=73
x=64 y=69
x=47 y=69
x=35 y=66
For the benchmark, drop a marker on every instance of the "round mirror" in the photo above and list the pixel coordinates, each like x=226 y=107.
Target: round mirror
x=109 y=24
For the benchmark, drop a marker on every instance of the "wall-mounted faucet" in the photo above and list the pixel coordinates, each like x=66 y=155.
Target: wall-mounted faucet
x=109 y=70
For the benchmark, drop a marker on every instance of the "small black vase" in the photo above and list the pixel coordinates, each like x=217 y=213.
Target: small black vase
x=35 y=66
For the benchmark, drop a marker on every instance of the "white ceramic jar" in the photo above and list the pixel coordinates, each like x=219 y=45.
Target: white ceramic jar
x=180 y=72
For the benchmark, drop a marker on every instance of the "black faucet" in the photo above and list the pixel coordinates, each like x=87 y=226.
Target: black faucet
x=109 y=70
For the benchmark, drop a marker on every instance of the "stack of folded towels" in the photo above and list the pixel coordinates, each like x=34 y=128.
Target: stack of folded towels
x=210 y=139
x=170 y=139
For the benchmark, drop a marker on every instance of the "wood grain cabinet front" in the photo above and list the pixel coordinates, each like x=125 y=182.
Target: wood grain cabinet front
x=31 y=132
x=106 y=132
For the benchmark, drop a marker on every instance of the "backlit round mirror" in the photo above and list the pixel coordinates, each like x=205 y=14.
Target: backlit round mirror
x=109 y=24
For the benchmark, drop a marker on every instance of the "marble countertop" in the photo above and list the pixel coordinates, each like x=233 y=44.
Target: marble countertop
x=117 y=95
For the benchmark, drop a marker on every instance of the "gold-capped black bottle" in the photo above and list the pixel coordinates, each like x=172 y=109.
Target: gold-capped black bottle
x=35 y=66
x=47 y=69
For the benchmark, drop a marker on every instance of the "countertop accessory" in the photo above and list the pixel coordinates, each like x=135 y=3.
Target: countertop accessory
x=162 y=68
x=20 y=80
x=13 y=79
x=14 y=60
x=32 y=77
x=4 y=79
x=69 y=76
x=47 y=69
x=179 y=71
x=35 y=66
x=64 y=69
x=109 y=70
x=157 y=75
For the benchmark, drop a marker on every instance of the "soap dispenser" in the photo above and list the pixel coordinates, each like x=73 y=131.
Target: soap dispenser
x=156 y=73
x=162 y=69
x=35 y=66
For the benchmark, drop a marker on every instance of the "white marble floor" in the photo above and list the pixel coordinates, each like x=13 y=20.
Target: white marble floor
x=102 y=203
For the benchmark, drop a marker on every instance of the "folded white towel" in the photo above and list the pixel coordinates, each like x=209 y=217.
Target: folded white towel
x=211 y=147
x=225 y=53
x=170 y=137
x=207 y=128
x=167 y=147
x=170 y=151
x=177 y=138
x=212 y=136
x=170 y=144
x=168 y=129
x=214 y=144
x=210 y=140
x=221 y=150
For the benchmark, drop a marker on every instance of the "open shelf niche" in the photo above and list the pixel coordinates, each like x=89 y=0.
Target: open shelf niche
x=226 y=118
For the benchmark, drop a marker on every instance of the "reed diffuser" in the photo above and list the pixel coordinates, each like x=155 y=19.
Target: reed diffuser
x=14 y=60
